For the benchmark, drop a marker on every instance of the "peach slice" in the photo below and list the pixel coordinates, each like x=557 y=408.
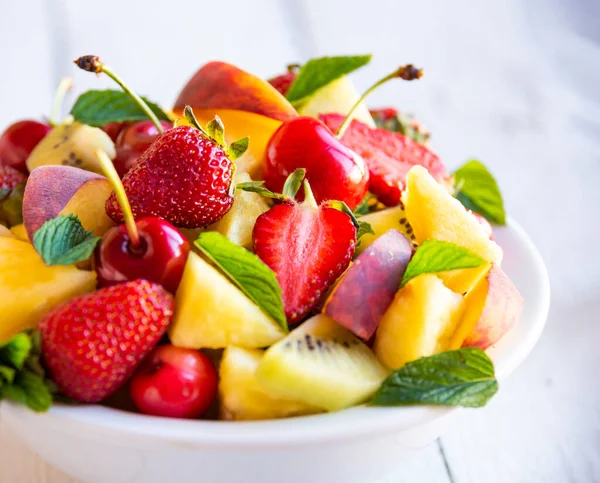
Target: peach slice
x=239 y=124
x=420 y=322
x=219 y=85
x=369 y=285
x=29 y=288
x=5 y=232
x=492 y=308
x=61 y=190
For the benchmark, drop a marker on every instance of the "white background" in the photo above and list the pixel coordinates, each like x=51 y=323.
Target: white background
x=515 y=84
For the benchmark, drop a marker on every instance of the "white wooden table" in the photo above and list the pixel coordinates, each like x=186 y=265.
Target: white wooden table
x=499 y=85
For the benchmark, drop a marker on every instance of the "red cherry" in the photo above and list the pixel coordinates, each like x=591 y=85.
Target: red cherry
x=159 y=257
x=334 y=171
x=113 y=129
x=133 y=141
x=174 y=382
x=17 y=142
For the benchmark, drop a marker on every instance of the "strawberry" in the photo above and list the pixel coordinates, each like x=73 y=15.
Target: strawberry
x=389 y=156
x=93 y=343
x=9 y=178
x=308 y=247
x=283 y=82
x=184 y=177
x=390 y=119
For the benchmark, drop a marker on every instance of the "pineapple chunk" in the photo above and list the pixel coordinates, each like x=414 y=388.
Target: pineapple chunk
x=19 y=232
x=213 y=313
x=420 y=322
x=384 y=221
x=243 y=398
x=5 y=232
x=29 y=288
x=434 y=213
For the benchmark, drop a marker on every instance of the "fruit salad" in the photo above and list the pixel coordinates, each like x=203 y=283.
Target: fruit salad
x=263 y=249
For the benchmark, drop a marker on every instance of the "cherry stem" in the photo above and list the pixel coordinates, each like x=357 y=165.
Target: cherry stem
x=64 y=86
x=92 y=63
x=407 y=72
x=309 y=197
x=111 y=173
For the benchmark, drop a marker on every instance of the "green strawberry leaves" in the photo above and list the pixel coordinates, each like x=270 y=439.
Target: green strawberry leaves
x=434 y=256
x=64 y=241
x=290 y=188
x=362 y=227
x=478 y=191
x=317 y=73
x=463 y=377
x=97 y=108
x=247 y=271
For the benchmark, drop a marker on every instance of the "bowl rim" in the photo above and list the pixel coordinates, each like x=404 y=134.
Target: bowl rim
x=353 y=423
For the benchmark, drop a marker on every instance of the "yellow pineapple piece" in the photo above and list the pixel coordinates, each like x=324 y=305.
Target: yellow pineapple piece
x=384 y=221
x=29 y=288
x=212 y=313
x=434 y=213
x=19 y=232
x=243 y=398
x=5 y=232
x=420 y=322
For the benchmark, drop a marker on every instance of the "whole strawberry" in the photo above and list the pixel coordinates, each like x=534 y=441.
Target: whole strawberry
x=185 y=177
x=308 y=247
x=9 y=178
x=283 y=82
x=93 y=344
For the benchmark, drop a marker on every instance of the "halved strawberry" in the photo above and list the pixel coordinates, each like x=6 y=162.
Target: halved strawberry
x=94 y=343
x=388 y=155
x=308 y=247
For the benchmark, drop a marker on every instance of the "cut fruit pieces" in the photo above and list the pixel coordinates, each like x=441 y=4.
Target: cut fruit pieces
x=5 y=232
x=238 y=223
x=212 y=313
x=243 y=398
x=384 y=221
x=338 y=96
x=434 y=213
x=491 y=309
x=29 y=288
x=321 y=364
x=19 y=232
x=420 y=322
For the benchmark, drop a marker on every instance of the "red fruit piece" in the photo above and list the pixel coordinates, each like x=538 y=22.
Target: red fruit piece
x=17 y=142
x=184 y=178
x=283 y=82
x=308 y=247
x=93 y=343
x=174 y=382
x=113 y=129
x=389 y=156
x=9 y=178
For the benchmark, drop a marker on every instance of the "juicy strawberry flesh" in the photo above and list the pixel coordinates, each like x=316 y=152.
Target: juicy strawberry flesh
x=184 y=178
x=384 y=114
x=93 y=343
x=308 y=249
x=283 y=82
x=389 y=156
x=9 y=178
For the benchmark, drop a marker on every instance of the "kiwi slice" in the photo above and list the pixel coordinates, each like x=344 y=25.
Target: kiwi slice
x=321 y=364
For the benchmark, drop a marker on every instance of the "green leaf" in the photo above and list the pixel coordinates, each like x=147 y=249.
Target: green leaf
x=97 y=108
x=317 y=73
x=7 y=375
x=30 y=389
x=64 y=241
x=363 y=229
x=258 y=187
x=247 y=271
x=463 y=377
x=364 y=207
x=15 y=351
x=401 y=123
x=237 y=148
x=11 y=207
x=293 y=182
x=478 y=191
x=434 y=256
x=216 y=131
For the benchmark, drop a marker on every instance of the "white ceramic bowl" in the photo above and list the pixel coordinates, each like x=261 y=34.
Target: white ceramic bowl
x=101 y=445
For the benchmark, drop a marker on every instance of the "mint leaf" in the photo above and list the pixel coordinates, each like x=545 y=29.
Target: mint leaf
x=7 y=375
x=478 y=191
x=247 y=271
x=434 y=256
x=293 y=182
x=317 y=73
x=97 y=108
x=463 y=377
x=30 y=389
x=14 y=352
x=64 y=241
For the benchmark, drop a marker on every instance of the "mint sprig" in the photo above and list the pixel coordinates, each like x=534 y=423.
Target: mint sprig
x=463 y=377
x=434 y=256
x=478 y=191
x=22 y=378
x=100 y=107
x=317 y=73
x=247 y=271
x=64 y=241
